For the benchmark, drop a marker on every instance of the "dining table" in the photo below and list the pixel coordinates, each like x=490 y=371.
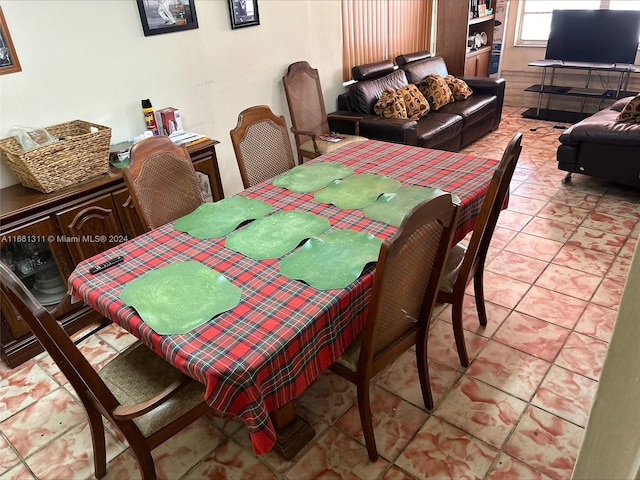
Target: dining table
x=256 y=358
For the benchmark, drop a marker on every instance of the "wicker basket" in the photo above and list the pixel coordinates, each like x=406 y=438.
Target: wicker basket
x=78 y=155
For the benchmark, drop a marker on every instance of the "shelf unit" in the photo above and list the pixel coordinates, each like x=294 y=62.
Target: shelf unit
x=455 y=25
x=550 y=89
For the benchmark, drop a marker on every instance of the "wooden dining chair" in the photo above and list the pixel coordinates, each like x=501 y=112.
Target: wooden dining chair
x=405 y=286
x=465 y=264
x=261 y=144
x=140 y=393
x=309 y=115
x=162 y=181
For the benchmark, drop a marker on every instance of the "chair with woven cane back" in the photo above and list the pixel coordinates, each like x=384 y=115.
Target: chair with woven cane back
x=309 y=115
x=261 y=144
x=466 y=264
x=139 y=392
x=162 y=181
x=405 y=286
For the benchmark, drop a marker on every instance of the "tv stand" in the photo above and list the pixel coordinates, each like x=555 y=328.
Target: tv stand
x=624 y=71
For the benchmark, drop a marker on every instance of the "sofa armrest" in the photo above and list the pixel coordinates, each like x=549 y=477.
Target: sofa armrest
x=396 y=130
x=490 y=86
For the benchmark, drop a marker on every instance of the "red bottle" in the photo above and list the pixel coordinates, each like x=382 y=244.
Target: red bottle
x=149 y=116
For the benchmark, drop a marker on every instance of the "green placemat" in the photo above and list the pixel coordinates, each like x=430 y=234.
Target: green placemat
x=211 y=220
x=312 y=177
x=334 y=260
x=357 y=191
x=164 y=298
x=392 y=207
x=277 y=234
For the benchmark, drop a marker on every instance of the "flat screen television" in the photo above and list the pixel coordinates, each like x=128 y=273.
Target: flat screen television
x=597 y=36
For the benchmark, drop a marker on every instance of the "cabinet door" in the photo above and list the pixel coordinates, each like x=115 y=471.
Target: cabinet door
x=470 y=66
x=91 y=227
x=37 y=254
x=483 y=60
x=128 y=215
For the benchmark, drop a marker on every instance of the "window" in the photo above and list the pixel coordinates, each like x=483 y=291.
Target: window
x=535 y=15
x=375 y=30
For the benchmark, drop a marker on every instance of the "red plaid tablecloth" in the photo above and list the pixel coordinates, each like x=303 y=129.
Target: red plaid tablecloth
x=263 y=353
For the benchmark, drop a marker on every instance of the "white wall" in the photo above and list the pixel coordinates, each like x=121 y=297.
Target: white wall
x=89 y=60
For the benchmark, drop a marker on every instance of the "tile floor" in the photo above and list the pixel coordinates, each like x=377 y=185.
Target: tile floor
x=557 y=266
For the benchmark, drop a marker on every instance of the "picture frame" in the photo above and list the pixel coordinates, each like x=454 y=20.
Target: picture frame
x=9 y=62
x=167 y=16
x=244 y=13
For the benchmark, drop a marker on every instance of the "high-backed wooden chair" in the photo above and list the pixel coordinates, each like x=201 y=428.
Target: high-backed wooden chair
x=162 y=181
x=141 y=394
x=261 y=144
x=405 y=286
x=465 y=264
x=309 y=115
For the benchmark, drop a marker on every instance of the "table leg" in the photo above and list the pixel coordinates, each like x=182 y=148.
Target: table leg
x=293 y=432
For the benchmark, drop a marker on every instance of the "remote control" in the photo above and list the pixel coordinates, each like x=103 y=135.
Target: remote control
x=103 y=266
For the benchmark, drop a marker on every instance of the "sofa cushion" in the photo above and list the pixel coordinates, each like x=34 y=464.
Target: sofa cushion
x=474 y=109
x=436 y=91
x=459 y=88
x=631 y=111
x=365 y=94
x=437 y=128
x=602 y=128
x=391 y=105
x=417 y=71
x=417 y=106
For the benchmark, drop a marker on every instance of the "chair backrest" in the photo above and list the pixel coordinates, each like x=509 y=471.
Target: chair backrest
x=261 y=144
x=406 y=280
x=306 y=102
x=88 y=385
x=162 y=181
x=476 y=253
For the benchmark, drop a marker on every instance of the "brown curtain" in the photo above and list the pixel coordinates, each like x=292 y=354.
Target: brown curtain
x=374 y=30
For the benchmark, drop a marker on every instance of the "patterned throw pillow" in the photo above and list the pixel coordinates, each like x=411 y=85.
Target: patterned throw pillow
x=631 y=112
x=390 y=105
x=417 y=105
x=459 y=88
x=436 y=91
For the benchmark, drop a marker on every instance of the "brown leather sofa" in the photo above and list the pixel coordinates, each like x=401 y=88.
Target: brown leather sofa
x=600 y=147
x=450 y=128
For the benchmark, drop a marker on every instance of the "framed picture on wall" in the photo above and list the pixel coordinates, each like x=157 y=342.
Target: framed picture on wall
x=244 y=13
x=8 y=59
x=166 y=16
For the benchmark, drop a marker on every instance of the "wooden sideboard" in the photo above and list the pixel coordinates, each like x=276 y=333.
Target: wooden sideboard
x=43 y=236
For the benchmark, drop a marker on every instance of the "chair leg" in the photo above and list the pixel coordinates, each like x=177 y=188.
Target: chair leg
x=145 y=461
x=423 y=369
x=458 y=331
x=99 y=444
x=366 y=419
x=478 y=285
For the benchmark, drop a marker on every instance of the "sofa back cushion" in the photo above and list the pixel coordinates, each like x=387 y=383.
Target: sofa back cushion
x=418 y=71
x=365 y=94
